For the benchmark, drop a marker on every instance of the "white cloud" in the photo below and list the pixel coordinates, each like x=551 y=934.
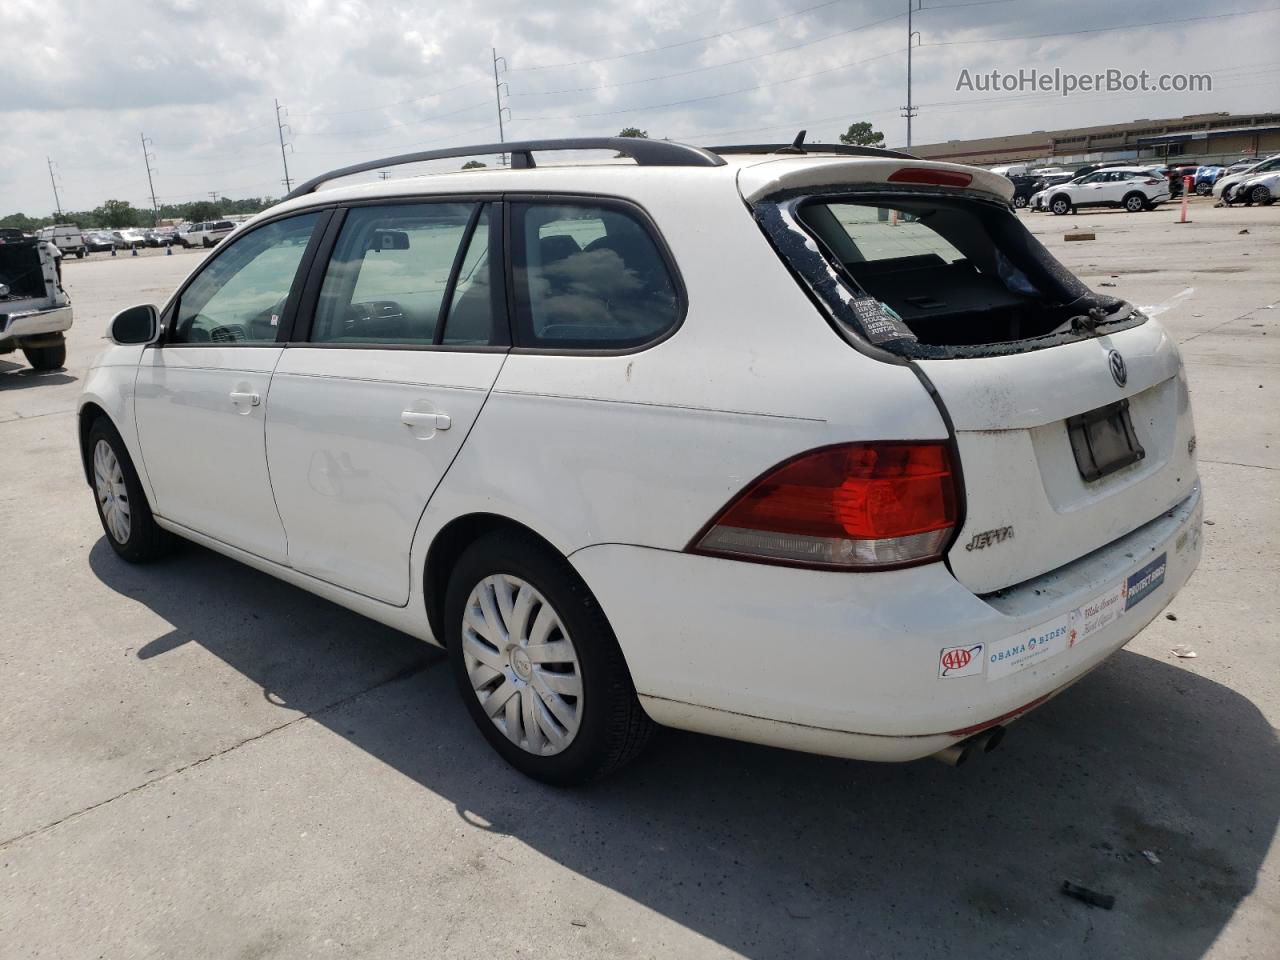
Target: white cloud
x=81 y=80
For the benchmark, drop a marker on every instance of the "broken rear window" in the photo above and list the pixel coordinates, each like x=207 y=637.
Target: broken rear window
x=936 y=276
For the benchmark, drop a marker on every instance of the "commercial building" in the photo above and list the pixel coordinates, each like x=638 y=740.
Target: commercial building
x=1206 y=137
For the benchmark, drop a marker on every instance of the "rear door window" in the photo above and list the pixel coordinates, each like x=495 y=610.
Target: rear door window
x=403 y=274
x=589 y=276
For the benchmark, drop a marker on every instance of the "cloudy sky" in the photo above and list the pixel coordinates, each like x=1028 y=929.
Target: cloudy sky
x=80 y=81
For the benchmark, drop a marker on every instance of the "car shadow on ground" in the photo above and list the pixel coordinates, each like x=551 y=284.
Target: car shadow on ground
x=16 y=376
x=771 y=853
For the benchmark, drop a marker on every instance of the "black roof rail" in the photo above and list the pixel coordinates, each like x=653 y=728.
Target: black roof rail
x=792 y=149
x=646 y=153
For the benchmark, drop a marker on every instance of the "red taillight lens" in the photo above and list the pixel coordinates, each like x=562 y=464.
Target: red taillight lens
x=855 y=506
x=937 y=178
x=1151 y=183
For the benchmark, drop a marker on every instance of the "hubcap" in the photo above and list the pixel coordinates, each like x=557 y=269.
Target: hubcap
x=113 y=496
x=522 y=664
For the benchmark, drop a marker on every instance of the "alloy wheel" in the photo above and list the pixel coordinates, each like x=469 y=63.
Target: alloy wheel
x=1134 y=204
x=113 y=495
x=522 y=664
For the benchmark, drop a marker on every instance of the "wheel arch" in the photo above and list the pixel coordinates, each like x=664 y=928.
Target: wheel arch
x=1135 y=193
x=1061 y=196
x=88 y=415
x=447 y=546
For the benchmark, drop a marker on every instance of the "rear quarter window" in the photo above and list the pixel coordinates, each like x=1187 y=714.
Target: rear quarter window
x=590 y=276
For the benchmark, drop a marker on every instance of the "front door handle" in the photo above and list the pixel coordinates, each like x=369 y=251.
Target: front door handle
x=241 y=396
x=415 y=418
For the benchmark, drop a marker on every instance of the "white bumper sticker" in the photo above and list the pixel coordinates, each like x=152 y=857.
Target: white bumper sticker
x=1035 y=645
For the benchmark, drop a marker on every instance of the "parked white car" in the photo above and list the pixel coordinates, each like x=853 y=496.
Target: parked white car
x=1131 y=188
x=1262 y=190
x=128 y=239
x=815 y=449
x=1225 y=187
x=67 y=238
x=204 y=234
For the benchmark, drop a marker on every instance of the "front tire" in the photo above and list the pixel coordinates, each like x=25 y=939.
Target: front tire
x=122 y=506
x=1019 y=202
x=1261 y=194
x=47 y=358
x=1060 y=206
x=537 y=663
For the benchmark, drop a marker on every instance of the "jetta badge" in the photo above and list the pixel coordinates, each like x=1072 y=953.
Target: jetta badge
x=1118 y=372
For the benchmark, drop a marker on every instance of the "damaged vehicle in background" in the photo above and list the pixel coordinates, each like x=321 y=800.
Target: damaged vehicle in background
x=1260 y=190
x=813 y=446
x=1225 y=189
x=34 y=309
x=1131 y=188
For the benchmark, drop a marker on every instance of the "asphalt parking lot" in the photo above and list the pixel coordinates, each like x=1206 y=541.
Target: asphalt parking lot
x=201 y=761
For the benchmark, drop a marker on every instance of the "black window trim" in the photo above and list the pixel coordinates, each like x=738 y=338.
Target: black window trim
x=169 y=315
x=300 y=333
x=646 y=223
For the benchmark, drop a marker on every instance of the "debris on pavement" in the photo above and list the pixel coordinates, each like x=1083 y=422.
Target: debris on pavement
x=1151 y=857
x=1092 y=897
x=1245 y=230
x=1171 y=616
x=1185 y=652
x=1079 y=235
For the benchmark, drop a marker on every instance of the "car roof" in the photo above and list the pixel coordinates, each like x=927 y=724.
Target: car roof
x=755 y=174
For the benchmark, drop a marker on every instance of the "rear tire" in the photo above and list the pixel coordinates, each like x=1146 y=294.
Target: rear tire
x=1135 y=203
x=46 y=358
x=1019 y=202
x=607 y=727
x=122 y=505
x=1203 y=189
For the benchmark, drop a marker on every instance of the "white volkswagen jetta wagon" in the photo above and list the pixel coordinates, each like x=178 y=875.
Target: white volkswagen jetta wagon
x=815 y=446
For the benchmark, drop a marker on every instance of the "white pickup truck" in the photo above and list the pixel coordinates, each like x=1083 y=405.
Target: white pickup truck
x=35 y=311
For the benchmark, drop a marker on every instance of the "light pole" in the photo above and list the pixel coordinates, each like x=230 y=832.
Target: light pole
x=913 y=38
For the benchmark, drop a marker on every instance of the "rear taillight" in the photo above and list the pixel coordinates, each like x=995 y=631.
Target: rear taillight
x=937 y=178
x=1151 y=183
x=856 y=506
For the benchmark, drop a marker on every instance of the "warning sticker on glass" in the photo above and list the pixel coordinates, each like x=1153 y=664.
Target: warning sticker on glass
x=877 y=323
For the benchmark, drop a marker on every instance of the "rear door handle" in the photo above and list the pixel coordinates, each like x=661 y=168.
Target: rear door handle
x=239 y=396
x=414 y=418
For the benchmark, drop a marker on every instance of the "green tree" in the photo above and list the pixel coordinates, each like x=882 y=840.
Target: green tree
x=117 y=214
x=861 y=135
x=634 y=132
x=473 y=165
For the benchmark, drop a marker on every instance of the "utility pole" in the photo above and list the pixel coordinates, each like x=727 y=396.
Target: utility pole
x=280 y=127
x=213 y=195
x=913 y=36
x=56 y=202
x=497 y=94
x=148 y=157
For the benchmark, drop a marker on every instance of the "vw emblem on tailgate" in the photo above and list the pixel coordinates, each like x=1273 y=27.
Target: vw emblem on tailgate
x=1118 y=372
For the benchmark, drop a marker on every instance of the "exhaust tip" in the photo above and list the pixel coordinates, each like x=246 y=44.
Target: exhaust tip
x=960 y=752
x=994 y=737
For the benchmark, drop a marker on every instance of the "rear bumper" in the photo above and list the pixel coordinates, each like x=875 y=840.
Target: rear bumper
x=30 y=323
x=850 y=664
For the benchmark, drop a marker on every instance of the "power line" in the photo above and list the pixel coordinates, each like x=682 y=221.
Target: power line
x=682 y=43
x=717 y=96
x=729 y=63
x=1128 y=26
x=396 y=103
